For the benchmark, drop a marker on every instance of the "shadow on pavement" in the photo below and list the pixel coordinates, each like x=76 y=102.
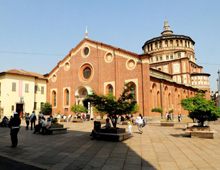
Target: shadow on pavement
x=9 y=164
x=69 y=151
x=186 y=135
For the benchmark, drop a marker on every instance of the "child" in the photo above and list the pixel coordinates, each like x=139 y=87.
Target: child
x=129 y=126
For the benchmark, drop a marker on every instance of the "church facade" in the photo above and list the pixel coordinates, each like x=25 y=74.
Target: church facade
x=164 y=74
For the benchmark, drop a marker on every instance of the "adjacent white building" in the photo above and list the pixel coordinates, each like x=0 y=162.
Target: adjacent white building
x=21 y=91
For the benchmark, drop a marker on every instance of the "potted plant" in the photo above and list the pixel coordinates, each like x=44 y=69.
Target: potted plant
x=157 y=109
x=46 y=108
x=202 y=110
x=78 y=109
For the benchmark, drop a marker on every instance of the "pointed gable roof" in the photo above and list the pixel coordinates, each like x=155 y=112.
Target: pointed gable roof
x=135 y=55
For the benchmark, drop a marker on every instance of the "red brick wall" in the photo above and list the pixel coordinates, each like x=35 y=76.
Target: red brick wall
x=103 y=72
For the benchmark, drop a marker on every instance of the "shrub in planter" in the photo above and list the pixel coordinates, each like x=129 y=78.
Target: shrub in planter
x=201 y=109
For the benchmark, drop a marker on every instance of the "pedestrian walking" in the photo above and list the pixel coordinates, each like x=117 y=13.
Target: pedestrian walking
x=129 y=126
x=14 y=125
x=27 y=120
x=33 y=119
x=179 y=117
x=139 y=122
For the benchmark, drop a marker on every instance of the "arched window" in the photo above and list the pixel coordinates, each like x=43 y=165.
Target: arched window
x=166 y=43
x=54 y=98
x=66 y=97
x=169 y=101
x=155 y=100
x=109 y=89
x=171 y=43
x=133 y=91
x=166 y=98
x=176 y=99
x=158 y=99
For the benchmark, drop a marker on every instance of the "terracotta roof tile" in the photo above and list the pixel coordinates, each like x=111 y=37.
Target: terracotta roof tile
x=23 y=72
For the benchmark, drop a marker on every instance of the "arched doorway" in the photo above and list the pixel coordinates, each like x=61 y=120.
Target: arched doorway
x=80 y=94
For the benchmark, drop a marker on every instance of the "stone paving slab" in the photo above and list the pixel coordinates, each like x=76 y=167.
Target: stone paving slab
x=162 y=148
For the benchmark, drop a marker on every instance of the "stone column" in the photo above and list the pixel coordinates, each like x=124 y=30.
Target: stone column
x=163 y=43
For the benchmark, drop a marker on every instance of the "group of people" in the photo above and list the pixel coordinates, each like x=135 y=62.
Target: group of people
x=140 y=122
x=169 y=117
x=42 y=125
x=31 y=119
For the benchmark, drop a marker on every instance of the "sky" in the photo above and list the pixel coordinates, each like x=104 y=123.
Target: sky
x=36 y=34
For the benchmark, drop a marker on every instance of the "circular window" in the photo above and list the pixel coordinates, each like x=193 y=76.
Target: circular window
x=67 y=66
x=130 y=64
x=108 y=57
x=86 y=51
x=86 y=72
x=54 y=77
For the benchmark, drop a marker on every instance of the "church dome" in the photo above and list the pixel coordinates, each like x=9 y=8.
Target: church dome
x=169 y=37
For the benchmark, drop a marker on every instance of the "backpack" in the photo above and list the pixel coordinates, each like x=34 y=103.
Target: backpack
x=34 y=118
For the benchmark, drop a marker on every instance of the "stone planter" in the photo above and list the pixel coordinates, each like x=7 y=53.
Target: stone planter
x=77 y=121
x=198 y=128
x=167 y=123
x=56 y=126
x=113 y=130
x=202 y=134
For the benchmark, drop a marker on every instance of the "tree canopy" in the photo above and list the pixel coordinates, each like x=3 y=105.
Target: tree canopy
x=78 y=108
x=159 y=110
x=201 y=109
x=112 y=106
x=46 y=108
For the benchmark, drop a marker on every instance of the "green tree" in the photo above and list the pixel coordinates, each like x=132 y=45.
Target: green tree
x=157 y=109
x=112 y=106
x=201 y=109
x=78 y=108
x=99 y=112
x=171 y=111
x=46 y=108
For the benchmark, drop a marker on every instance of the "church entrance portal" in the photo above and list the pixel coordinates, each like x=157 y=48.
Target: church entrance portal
x=80 y=94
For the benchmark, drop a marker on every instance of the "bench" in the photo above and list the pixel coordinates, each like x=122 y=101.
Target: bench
x=202 y=134
x=167 y=123
x=113 y=136
x=56 y=130
x=77 y=121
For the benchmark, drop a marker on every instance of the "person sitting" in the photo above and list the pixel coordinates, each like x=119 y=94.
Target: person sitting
x=96 y=129
x=38 y=127
x=108 y=124
x=46 y=126
x=122 y=118
x=4 y=122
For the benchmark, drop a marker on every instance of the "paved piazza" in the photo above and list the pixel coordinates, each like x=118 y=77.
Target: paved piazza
x=157 y=148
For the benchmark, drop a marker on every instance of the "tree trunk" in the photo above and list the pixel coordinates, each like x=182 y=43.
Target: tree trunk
x=202 y=123
x=114 y=121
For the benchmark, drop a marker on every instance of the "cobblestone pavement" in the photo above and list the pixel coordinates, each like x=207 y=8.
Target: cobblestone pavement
x=165 y=148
